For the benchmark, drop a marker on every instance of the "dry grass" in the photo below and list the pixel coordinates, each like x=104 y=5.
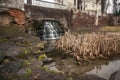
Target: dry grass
x=84 y=47
x=111 y=29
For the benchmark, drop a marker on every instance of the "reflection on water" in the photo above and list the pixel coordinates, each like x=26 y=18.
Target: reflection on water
x=106 y=70
x=101 y=68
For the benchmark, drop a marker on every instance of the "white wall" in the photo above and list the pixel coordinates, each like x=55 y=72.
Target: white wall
x=48 y=0
x=90 y=7
x=25 y=1
x=69 y=4
x=46 y=3
x=17 y=4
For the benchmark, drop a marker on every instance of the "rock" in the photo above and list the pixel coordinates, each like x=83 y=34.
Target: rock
x=11 y=67
x=36 y=63
x=91 y=77
x=51 y=64
x=4 y=47
x=6 y=60
x=52 y=67
x=2 y=56
x=13 y=51
x=21 y=72
x=2 y=77
x=47 y=60
x=49 y=46
x=115 y=76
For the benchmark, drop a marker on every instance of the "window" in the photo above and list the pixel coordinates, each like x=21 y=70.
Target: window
x=29 y=1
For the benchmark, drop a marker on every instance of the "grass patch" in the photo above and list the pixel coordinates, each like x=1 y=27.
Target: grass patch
x=111 y=29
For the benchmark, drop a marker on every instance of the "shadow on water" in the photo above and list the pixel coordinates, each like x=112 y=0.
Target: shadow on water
x=101 y=68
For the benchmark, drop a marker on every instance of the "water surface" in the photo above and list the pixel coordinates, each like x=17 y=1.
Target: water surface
x=106 y=70
x=101 y=68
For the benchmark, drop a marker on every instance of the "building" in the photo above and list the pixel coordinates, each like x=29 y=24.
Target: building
x=45 y=3
x=12 y=4
x=91 y=7
x=58 y=4
x=87 y=6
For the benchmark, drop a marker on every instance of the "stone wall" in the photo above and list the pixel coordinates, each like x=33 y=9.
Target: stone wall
x=39 y=13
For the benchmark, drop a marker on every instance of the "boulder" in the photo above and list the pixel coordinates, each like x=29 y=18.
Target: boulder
x=2 y=56
x=13 y=51
x=115 y=76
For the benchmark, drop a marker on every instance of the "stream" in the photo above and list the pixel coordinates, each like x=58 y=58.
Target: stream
x=100 y=68
x=106 y=70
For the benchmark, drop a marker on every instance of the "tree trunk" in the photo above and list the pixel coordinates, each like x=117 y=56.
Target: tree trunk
x=97 y=17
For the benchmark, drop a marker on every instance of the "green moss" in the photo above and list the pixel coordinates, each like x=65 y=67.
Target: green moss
x=37 y=52
x=43 y=56
x=28 y=72
x=70 y=78
x=27 y=50
x=2 y=40
x=24 y=43
x=45 y=69
x=26 y=62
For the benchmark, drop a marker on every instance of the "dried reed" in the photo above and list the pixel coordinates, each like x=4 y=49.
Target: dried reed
x=84 y=47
